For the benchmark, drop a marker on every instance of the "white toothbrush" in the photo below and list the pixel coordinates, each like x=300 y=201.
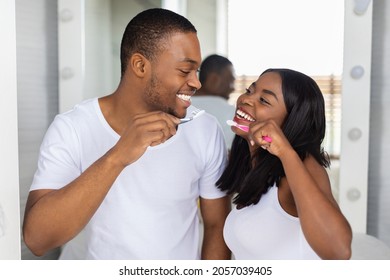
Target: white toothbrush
x=196 y=113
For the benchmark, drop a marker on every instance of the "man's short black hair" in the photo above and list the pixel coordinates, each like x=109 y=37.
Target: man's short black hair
x=147 y=31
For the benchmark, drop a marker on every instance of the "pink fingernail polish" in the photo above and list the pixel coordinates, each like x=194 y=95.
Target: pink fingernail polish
x=267 y=138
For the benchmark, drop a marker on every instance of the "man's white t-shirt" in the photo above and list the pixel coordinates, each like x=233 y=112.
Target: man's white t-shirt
x=151 y=210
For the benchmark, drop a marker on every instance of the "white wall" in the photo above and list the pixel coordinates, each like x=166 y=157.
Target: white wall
x=203 y=14
x=98 y=59
x=71 y=53
x=9 y=174
x=37 y=82
x=379 y=156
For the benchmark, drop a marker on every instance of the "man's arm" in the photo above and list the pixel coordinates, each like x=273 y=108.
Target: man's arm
x=214 y=213
x=53 y=217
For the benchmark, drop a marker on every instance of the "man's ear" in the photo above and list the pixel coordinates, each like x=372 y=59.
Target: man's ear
x=139 y=64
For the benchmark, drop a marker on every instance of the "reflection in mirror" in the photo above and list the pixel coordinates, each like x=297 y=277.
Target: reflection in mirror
x=277 y=34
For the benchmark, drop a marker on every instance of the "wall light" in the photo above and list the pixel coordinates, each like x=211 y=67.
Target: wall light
x=357 y=72
x=66 y=15
x=361 y=6
x=67 y=73
x=353 y=194
x=354 y=134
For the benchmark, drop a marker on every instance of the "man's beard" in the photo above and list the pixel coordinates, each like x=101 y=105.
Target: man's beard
x=154 y=97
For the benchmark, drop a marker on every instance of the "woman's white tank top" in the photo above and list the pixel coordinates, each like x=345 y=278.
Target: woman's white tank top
x=266 y=231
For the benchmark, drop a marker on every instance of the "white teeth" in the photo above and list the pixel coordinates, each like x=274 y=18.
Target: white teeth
x=245 y=116
x=184 y=97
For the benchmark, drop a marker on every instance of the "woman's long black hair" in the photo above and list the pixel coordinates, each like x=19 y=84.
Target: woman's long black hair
x=304 y=127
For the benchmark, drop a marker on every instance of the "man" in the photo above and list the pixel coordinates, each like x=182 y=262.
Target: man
x=123 y=168
x=217 y=78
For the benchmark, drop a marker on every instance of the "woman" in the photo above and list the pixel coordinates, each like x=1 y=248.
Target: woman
x=285 y=207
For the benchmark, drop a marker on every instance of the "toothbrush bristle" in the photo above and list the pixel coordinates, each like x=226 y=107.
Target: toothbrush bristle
x=242 y=127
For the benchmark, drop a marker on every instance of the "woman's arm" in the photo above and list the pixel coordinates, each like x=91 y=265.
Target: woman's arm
x=325 y=227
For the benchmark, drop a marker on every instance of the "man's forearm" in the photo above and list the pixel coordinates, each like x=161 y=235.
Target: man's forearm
x=214 y=246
